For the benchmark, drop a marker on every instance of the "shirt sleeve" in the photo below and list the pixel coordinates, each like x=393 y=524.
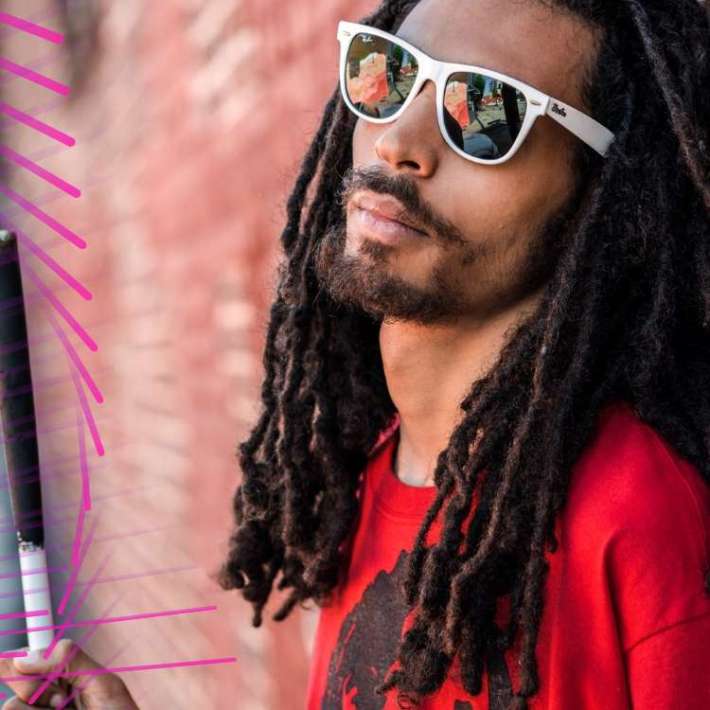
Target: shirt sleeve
x=670 y=669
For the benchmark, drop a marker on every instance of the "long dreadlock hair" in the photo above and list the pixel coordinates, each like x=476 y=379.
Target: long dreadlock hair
x=626 y=315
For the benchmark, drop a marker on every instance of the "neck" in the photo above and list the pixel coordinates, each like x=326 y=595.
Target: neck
x=429 y=371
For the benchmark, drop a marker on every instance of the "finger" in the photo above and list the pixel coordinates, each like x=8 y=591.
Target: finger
x=14 y=703
x=68 y=657
x=11 y=675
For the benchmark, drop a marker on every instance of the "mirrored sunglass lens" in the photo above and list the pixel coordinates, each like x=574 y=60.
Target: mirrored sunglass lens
x=483 y=116
x=379 y=75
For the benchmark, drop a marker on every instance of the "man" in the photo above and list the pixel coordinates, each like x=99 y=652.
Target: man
x=484 y=443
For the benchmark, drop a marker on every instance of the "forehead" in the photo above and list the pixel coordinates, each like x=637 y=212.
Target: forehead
x=544 y=46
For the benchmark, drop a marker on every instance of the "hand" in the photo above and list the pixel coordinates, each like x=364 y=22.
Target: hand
x=88 y=692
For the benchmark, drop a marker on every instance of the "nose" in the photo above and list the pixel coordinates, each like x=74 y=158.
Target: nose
x=412 y=142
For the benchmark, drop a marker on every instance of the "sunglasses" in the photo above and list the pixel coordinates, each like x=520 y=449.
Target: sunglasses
x=483 y=115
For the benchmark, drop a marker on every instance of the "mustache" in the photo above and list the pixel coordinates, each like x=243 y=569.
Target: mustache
x=405 y=190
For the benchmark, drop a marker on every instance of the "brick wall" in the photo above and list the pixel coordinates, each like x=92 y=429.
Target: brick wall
x=190 y=125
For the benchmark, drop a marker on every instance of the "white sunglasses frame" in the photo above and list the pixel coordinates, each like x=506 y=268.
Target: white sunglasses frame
x=538 y=103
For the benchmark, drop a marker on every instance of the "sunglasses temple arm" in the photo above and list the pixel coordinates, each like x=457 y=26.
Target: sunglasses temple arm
x=584 y=127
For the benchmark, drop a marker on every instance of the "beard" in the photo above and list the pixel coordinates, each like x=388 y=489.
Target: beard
x=365 y=280
x=368 y=284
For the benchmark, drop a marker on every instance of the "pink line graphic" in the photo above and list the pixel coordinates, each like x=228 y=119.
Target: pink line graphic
x=12 y=654
x=34 y=77
x=85 y=479
x=36 y=124
x=43 y=217
x=59 y=306
x=42 y=255
x=77 y=560
x=23 y=614
x=77 y=362
x=31 y=28
x=39 y=171
x=88 y=415
x=73 y=652
x=124 y=669
x=79 y=687
x=114 y=619
x=75 y=610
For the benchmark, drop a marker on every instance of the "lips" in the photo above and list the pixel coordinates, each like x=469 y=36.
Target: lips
x=388 y=208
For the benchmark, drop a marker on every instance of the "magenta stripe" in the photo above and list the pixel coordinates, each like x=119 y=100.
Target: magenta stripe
x=78 y=363
x=73 y=652
x=39 y=570
x=26 y=26
x=78 y=688
x=122 y=669
x=54 y=266
x=85 y=480
x=38 y=109
x=88 y=415
x=39 y=171
x=43 y=217
x=78 y=533
x=24 y=614
x=34 y=77
x=71 y=582
x=72 y=615
x=36 y=124
x=141 y=575
x=59 y=306
x=112 y=620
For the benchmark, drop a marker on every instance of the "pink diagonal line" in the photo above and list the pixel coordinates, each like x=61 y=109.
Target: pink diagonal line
x=71 y=354
x=58 y=547
x=34 y=77
x=39 y=171
x=30 y=27
x=39 y=109
x=39 y=570
x=75 y=568
x=42 y=216
x=113 y=620
x=122 y=669
x=80 y=687
x=78 y=532
x=35 y=17
x=77 y=558
x=61 y=309
x=24 y=614
x=37 y=125
x=63 y=274
x=73 y=652
x=85 y=479
x=72 y=615
x=141 y=575
x=78 y=363
x=88 y=416
x=48 y=59
x=20 y=595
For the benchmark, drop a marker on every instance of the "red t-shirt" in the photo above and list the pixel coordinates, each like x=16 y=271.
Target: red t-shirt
x=626 y=621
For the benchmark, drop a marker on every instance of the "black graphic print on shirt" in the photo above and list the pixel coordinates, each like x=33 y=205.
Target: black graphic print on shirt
x=367 y=646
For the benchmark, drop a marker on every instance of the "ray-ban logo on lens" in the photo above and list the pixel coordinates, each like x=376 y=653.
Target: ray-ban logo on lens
x=557 y=109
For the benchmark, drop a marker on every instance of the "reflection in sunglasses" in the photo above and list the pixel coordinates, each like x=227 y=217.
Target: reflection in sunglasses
x=482 y=115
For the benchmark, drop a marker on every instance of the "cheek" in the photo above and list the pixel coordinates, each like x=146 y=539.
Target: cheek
x=510 y=199
x=363 y=143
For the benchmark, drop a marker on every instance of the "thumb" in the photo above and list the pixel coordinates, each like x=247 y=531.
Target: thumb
x=35 y=669
x=102 y=689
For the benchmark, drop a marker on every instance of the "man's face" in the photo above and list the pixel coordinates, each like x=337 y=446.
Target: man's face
x=491 y=233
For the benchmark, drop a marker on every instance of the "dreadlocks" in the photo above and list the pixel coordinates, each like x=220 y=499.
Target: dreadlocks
x=625 y=315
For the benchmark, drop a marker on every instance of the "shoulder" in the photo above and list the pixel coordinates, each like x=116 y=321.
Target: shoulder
x=639 y=513
x=629 y=476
